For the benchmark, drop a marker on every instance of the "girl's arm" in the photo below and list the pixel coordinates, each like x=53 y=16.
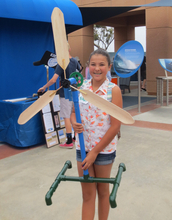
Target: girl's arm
x=109 y=135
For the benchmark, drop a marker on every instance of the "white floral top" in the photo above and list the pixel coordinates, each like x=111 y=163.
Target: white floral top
x=95 y=121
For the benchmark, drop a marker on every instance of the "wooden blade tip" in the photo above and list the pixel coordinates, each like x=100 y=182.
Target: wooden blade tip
x=21 y=122
x=129 y=121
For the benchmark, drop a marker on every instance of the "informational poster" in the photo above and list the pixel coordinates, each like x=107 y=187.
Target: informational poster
x=62 y=135
x=56 y=103
x=62 y=122
x=46 y=109
x=128 y=59
x=166 y=64
x=51 y=139
x=48 y=122
x=57 y=121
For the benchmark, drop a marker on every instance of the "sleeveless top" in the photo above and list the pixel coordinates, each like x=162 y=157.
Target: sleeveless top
x=95 y=122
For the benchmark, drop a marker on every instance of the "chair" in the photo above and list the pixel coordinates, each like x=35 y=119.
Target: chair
x=124 y=84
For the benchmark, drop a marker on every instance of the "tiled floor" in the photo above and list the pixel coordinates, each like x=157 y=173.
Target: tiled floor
x=7 y=150
x=149 y=124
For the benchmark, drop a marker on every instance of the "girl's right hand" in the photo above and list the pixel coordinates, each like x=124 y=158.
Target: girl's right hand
x=77 y=127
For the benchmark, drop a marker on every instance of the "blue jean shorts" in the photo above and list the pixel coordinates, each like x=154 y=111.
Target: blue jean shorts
x=102 y=159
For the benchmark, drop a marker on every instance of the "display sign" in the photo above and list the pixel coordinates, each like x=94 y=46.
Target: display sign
x=128 y=59
x=166 y=64
x=51 y=139
x=54 y=125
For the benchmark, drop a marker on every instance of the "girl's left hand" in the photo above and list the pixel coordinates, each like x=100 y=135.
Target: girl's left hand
x=89 y=160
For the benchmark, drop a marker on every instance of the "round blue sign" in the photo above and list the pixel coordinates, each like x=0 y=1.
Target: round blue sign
x=166 y=64
x=128 y=59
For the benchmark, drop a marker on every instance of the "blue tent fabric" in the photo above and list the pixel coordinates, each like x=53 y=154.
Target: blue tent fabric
x=40 y=10
x=25 y=35
x=22 y=43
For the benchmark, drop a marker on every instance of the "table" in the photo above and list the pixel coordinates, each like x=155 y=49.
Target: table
x=115 y=79
x=17 y=135
x=160 y=80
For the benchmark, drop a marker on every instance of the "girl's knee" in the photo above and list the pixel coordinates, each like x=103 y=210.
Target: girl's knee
x=102 y=189
x=88 y=196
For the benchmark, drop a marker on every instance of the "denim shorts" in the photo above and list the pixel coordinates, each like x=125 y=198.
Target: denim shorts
x=102 y=159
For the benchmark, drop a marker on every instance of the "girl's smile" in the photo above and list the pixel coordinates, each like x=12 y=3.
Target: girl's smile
x=97 y=73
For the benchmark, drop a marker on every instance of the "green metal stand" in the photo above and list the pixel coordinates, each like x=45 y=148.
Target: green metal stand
x=61 y=177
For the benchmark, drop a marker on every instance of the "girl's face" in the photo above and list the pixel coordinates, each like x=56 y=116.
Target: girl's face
x=98 y=67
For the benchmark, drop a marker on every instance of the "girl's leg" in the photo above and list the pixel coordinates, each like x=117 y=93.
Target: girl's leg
x=103 y=171
x=88 y=194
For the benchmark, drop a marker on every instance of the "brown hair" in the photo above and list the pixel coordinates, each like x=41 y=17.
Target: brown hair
x=102 y=52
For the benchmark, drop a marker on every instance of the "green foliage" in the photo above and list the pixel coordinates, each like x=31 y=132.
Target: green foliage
x=103 y=36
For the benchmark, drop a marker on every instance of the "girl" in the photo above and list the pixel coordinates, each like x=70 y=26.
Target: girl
x=100 y=134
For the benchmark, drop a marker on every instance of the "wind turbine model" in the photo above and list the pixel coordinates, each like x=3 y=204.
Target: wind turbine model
x=71 y=84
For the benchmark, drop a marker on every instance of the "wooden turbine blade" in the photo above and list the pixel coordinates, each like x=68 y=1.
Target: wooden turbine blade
x=107 y=107
x=36 y=107
x=60 y=40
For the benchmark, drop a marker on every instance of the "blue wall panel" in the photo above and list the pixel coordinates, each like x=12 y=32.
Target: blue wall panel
x=21 y=44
